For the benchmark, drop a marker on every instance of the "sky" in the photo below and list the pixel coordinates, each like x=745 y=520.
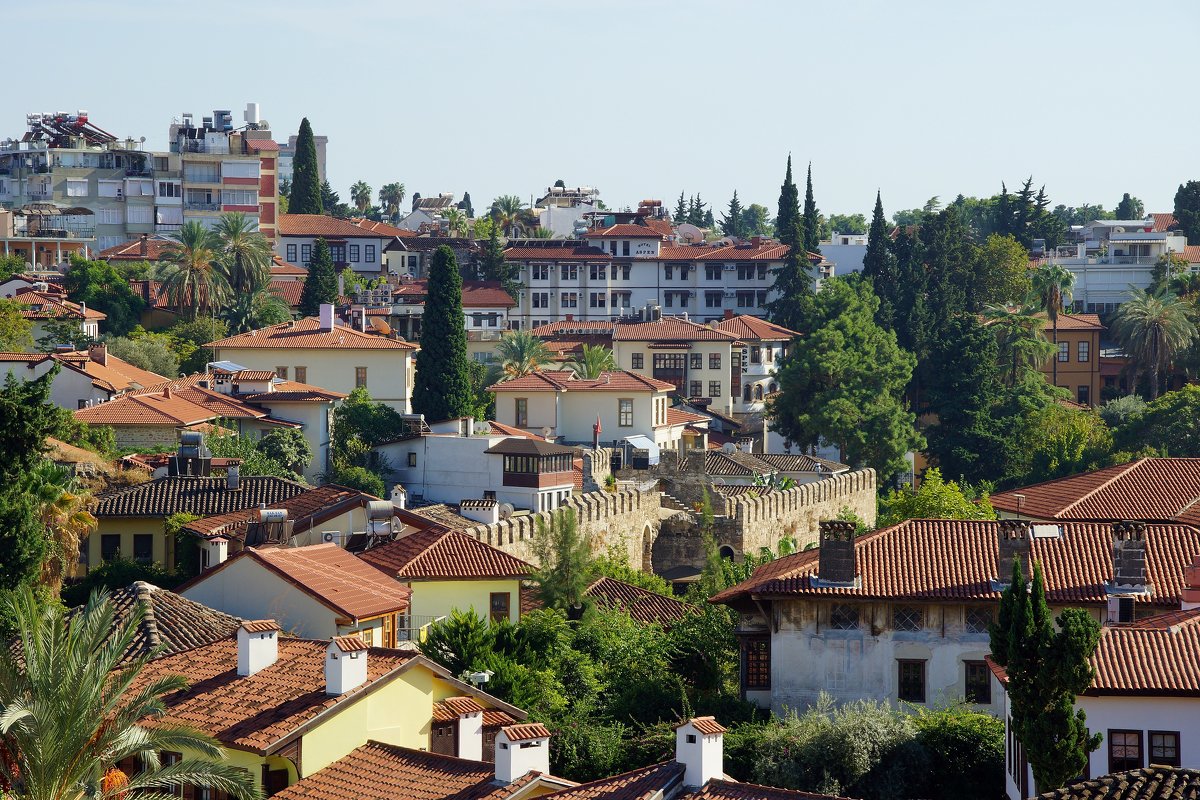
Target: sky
x=648 y=98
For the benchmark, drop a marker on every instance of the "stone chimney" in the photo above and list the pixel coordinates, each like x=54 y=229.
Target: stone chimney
x=326 y=316
x=144 y=245
x=700 y=748
x=345 y=665
x=258 y=646
x=836 y=564
x=98 y=353
x=1129 y=556
x=1015 y=541
x=521 y=749
x=233 y=480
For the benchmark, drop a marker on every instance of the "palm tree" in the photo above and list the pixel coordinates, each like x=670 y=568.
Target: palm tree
x=522 y=353
x=249 y=311
x=456 y=221
x=190 y=278
x=541 y=233
x=1052 y=287
x=1022 y=345
x=505 y=210
x=360 y=195
x=1152 y=329
x=63 y=511
x=391 y=195
x=243 y=254
x=72 y=705
x=593 y=360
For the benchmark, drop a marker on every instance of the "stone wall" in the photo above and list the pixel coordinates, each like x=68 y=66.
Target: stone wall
x=623 y=521
x=145 y=437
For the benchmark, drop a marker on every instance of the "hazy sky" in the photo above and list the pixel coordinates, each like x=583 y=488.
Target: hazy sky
x=644 y=99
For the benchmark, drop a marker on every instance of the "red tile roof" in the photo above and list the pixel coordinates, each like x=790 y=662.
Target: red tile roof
x=764 y=251
x=526 y=732
x=46 y=305
x=168 y=622
x=566 y=381
x=509 y=430
x=309 y=508
x=624 y=230
x=261 y=625
x=1191 y=253
x=377 y=771
x=1162 y=222
x=574 y=253
x=444 y=555
x=575 y=326
x=163 y=497
x=455 y=707
x=1077 y=322
x=475 y=294
x=281 y=267
x=643 y=783
x=956 y=560
x=1148 y=489
x=641 y=604
x=383 y=229
x=705 y=725
x=115 y=376
x=669 y=329
x=349 y=644
x=307 y=334
x=732 y=790
x=325 y=226
x=677 y=416
x=158 y=408
x=1156 y=655
x=753 y=329
x=132 y=250
x=264 y=145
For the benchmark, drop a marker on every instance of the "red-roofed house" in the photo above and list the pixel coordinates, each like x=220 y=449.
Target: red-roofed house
x=355 y=246
x=86 y=377
x=702 y=362
x=764 y=345
x=40 y=307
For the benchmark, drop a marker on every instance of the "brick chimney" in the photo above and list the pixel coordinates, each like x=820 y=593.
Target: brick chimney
x=836 y=563
x=729 y=313
x=1129 y=556
x=1015 y=540
x=98 y=353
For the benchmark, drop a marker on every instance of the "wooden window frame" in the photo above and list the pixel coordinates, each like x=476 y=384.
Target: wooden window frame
x=1112 y=762
x=901 y=664
x=1149 y=754
x=985 y=690
x=493 y=614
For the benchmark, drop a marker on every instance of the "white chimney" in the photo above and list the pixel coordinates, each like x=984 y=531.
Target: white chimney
x=233 y=479
x=326 y=315
x=470 y=726
x=258 y=646
x=216 y=551
x=399 y=497
x=345 y=664
x=700 y=747
x=521 y=749
x=483 y=510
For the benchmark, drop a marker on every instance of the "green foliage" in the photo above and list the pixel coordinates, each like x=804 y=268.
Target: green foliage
x=791 y=303
x=756 y=220
x=356 y=477
x=63 y=333
x=187 y=546
x=358 y=425
x=520 y=353
x=1152 y=329
x=732 y=220
x=565 y=557
x=593 y=360
x=1187 y=210
x=16 y=332
x=305 y=196
x=151 y=351
x=1065 y=441
x=105 y=287
x=935 y=498
x=811 y=218
x=286 y=447
x=117 y=573
x=1130 y=208
x=22 y=538
x=442 y=388
x=615 y=564
x=10 y=265
x=965 y=751
x=1169 y=425
x=192 y=277
x=482 y=376
x=846 y=385
x=189 y=339
x=1047 y=669
x=255 y=460
x=843 y=223
x=1121 y=411
x=1003 y=270
x=320 y=285
x=243 y=254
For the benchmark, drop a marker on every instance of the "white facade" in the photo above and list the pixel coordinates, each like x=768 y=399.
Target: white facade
x=363 y=254
x=569 y=416
x=1111 y=257
x=708 y=367
x=702 y=754
x=72 y=389
x=517 y=758
x=846 y=257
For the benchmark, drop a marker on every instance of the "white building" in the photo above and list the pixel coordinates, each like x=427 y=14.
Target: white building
x=85 y=378
x=563 y=211
x=845 y=251
x=764 y=346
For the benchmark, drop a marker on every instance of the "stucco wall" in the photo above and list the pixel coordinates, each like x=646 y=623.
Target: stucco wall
x=388 y=370
x=439 y=598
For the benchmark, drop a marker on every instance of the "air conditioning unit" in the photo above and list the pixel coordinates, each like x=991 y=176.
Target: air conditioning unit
x=730 y=267
x=729 y=295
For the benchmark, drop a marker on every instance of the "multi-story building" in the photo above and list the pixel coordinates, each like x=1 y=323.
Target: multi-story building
x=764 y=346
x=1076 y=364
x=287 y=157
x=562 y=210
x=46 y=235
x=702 y=362
x=358 y=247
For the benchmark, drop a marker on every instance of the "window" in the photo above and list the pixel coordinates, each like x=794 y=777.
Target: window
x=712 y=299
x=110 y=546
x=1064 y=351
x=540 y=272
x=597 y=272
x=624 y=272
x=360 y=377
x=139 y=215
x=368 y=636
x=499 y=605
x=540 y=299
x=240 y=168
x=755 y=355
x=281 y=372
x=668 y=272
x=169 y=189
x=598 y=299
x=109 y=216
x=712 y=272
x=638 y=361
x=1124 y=750
x=143 y=547
x=714 y=360
x=302 y=374
x=978 y=688
x=910 y=684
x=908 y=618
x=569 y=299
x=1084 y=394
x=756 y=662
x=714 y=389
x=697 y=389
x=568 y=272
x=355 y=253
x=306 y=253
x=412 y=459
x=522 y=412
x=368 y=254
x=625 y=248
x=200 y=172
x=1164 y=748
x=291 y=253
x=745 y=299
x=746 y=390
x=695 y=361
x=625 y=413
x=1083 y=353
x=338 y=253
x=843 y=617
x=77 y=187
x=239 y=197
x=668 y=299
x=979 y=619
x=745 y=272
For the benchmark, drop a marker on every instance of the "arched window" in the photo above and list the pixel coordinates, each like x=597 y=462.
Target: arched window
x=774 y=388
x=746 y=393
x=726 y=552
x=758 y=391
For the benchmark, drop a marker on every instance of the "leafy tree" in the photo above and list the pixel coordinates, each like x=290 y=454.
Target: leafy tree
x=1121 y=411
x=1187 y=210
x=592 y=361
x=356 y=477
x=456 y=222
x=256 y=309
x=491 y=264
x=521 y=353
x=846 y=385
x=1003 y=271
x=243 y=254
x=255 y=460
x=934 y=498
x=189 y=338
x=733 y=219
x=443 y=384
x=1052 y=285
x=320 y=284
x=62 y=509
x=1081 y=215
x=305 y=196
x=105 y=288
x=1021 y=346
x=22 y=537
x=1130 y=208
x=10 y=265
x=1152 y=329
x=358 y=425
x=191 y=280
x=966 y=753
x=73 y=710
x=63 y=332
x=1065 y=441
x=149 y=351
x=287 y=447
x=843 y=223
x=1169 y=425
x=16 y=332
x=1047 y=669
x=756 y=220
x=811 y=218
x=505 y=211
x=564 y=558
x=360 y=195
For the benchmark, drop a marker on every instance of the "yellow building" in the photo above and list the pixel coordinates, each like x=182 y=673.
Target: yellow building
x=1076 y=365
x=702 y=362
x=448 y=571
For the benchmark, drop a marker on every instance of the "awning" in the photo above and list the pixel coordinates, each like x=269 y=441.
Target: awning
x=639 y=442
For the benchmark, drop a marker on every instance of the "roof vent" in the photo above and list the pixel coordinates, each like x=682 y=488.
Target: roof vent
x=258 y=646
x=1014 y=543
x=836 y=565
x=1129 y=559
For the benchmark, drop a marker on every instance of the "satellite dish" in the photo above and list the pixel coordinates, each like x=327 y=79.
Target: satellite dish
x=506 y=510
x=381 y=326
x=728 y=447
x=546 y=430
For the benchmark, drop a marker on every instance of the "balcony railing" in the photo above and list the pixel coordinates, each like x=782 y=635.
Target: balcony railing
x=414 y=628
x=190 y=206
x=1130 y=259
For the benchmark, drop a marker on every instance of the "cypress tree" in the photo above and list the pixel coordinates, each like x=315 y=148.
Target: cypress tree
x=442 y=389
x=793 y=279
x=812 y=218
x=789 y=208
x=681 y=210
x=306 y=182
x=465 y=205
x=320 y=285
x=879 y=264
x=733 y=221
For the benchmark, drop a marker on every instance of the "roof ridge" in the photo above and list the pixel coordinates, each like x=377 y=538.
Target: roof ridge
x=1131 y=467
x=149 y=621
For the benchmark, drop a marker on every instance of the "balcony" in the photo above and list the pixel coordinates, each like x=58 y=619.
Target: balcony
x=1151 y=260
x=190 y=206
x=415 y=627
x=480 y=335
x=167 y=227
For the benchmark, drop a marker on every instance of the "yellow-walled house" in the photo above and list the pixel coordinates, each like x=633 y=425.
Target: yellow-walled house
x=285 y=708
x=1076 y=363
x=448 y=570
x=323 y=352
x=702 y=362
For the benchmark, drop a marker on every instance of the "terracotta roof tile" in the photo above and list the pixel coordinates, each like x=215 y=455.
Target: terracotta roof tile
x=957 y=560
x=475 y=294
x=753 y=329
x=307 y=334
x=526 y=732
x=705 y=725
x=575 y=252
x=1162 y=222
x=1191 y=253
x=655 y=780
x=1078 y=322
x=163 y=497
x=445 y=555
x=117 y=373
x=382 y=228
x=1157 y=655
x=735 y=464
x=349 y=644
x=323 y=225
x=1151 y=783
x=1148 y=489
x=260 y=625
x=261 y=145
x=574 y=326
x=287 y=291
x=156 y=408
x=566 y=381
x=281 y=267
x=732 y=790
x=624 y=230
x=309 y=508
x=799 y=462
x=454 y=707
x=677 y=416
x=641 y=604
x=132 y=250
x=46 y=305
x=442 y=515
x=669 y=329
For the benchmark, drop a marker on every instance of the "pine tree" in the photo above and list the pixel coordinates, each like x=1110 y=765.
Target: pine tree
x=305 y=197
x=879 y=264
x=442 y=389
x=793 y=287
x=681 y=210
x=320 y=285
x=709 y=222
x=788 y=212
x=732 y=221
x=491 y=264
x=1003 y=222
x=1024 y=213
x=812 y=218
